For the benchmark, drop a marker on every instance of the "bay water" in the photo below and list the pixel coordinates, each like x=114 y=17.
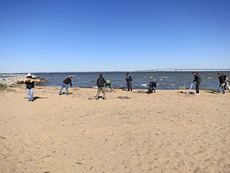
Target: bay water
x=165 y=80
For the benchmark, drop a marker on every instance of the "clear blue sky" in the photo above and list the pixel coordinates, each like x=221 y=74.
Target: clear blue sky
x=113 y=35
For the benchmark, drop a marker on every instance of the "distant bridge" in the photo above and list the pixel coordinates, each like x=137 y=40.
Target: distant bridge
x=191 y=70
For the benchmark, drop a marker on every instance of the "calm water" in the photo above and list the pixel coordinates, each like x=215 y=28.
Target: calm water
x=2 y=77
x=165 y=80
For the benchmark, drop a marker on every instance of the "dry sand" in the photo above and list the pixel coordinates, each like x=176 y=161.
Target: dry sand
x=164 y=132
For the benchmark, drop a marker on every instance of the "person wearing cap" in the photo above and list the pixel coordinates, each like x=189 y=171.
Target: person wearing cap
x=29 y=86
x=129 y=81
x=65 y=85
x=108 y=83
x=101 y=87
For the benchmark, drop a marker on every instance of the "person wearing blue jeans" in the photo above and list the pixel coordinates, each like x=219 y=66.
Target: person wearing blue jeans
x=30 y=93
x=222 y=83
x=29 y=86
x=65 y=85
x=222 y=86
x=29 y=81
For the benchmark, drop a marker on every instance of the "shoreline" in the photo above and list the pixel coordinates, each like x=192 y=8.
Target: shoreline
x=22 y=85
x=116 y=88
x=93 y=91
x=10 y=80
x=165 y=82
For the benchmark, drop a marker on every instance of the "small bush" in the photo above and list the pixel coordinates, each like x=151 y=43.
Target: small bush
x=3 y=85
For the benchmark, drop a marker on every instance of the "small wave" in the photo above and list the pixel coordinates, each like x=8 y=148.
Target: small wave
x=181 y=87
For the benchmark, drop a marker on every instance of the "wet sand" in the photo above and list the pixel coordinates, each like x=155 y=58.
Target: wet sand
x=131 y=132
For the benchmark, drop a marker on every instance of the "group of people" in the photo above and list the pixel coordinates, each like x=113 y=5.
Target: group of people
x=102 y=83
x=223 y=79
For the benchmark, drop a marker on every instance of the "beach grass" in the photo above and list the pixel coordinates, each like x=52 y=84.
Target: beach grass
x=3 y=85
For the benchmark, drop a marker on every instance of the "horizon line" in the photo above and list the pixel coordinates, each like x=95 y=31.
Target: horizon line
x=133 y=71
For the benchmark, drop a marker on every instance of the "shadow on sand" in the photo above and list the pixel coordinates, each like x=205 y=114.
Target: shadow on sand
x=64 y=93
x=36 y=97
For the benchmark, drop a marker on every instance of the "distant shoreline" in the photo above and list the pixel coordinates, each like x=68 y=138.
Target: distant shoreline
x=135 y=71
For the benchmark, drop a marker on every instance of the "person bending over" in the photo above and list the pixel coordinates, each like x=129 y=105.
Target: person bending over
x=65 y=85
x=108 y=83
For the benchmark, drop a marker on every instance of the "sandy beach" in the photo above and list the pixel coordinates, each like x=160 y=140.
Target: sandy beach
x=130 y=132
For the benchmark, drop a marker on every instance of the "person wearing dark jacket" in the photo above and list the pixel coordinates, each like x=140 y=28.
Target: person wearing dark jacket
x=197 y=79
x=101 y=87
x=29 y=81
x=65 y=85
x=226 y=80
x=222 y=82
x=129 y=81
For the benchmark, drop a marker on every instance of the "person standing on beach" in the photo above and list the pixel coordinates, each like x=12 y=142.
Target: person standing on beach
x=29 y=86
x=197 y=79
x=222 y=82
x=129 y=81
x=65 y=85
x=226 y=80
x=101 y=87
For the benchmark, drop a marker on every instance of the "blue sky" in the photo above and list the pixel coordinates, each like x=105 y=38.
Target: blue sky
x=106 y=35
